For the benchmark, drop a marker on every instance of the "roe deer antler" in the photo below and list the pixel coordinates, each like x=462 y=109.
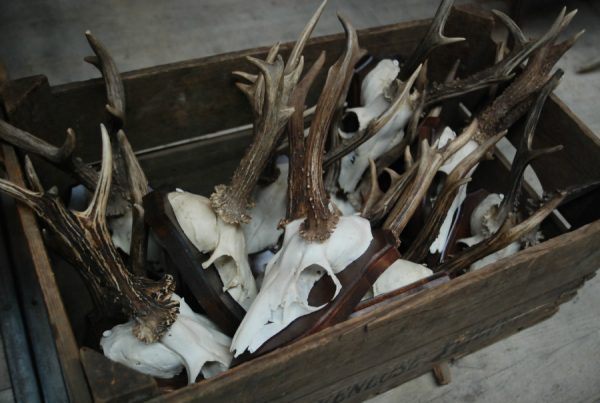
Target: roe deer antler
x=269 y=94
x=505 y=216
x=432 y=39
x=85 y=237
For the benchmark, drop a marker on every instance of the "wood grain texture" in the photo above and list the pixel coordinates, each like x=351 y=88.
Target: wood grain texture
x=470 y=312
x=63 y=335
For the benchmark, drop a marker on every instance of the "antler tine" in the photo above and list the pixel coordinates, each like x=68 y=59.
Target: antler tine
x=377 y=211
x=506 y=235
x=432 y=39
x=296 y=53
x=96 y=210
x=321 y=220
x=32 y=177
x=513 y=28
x=503 y=70
x=374 y=193
x=375 y=125
x=138 y=188
x=138 y=183
x=254 y=91
x=29 y=143
x=30 y=198
x=525 y=153
x=296 y=206
x=115 y=91
x=231 y=202
x=457 y=177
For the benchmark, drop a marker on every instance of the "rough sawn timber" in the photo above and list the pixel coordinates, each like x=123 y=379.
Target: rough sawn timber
x=451 y=320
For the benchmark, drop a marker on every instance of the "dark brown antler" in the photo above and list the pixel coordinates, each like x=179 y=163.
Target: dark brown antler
x=457 y=177
x=115 y=91
x=269 y=95
x=432 y=39
x=429 y=162
x=505 y=213
x=503 y=70
x=506 y=235
x=29 y=143
x=296 y=206
x=525 y=154
x=138 y=188
x=85 y=237
x=321 y=219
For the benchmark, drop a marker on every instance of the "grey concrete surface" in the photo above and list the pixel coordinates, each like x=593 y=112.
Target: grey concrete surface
x=556 y=361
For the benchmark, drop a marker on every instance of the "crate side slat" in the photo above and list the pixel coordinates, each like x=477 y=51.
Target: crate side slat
x=459 y=305
x=61 y=327
x=186 y=99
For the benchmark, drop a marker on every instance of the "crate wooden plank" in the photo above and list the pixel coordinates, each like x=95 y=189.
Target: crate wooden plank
x=112 y=382
x=38 y=336
x=187 y=99
x=14 y=336
x=61 y=327
x=472 y=305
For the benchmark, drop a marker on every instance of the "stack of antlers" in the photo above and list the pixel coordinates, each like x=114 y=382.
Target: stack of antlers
x=269 y=263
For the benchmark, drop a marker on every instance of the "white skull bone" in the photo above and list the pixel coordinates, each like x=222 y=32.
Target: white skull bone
x=193 y=342
x=226 y=243
x=291 y=274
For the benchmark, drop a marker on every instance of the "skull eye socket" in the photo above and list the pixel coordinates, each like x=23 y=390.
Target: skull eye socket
x=350 y=123
x=323 y=289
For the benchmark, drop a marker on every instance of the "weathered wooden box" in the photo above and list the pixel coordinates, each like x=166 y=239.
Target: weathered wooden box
x=179 y=119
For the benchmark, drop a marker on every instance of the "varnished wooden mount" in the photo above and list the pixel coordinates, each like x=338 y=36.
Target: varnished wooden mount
x=205 y=284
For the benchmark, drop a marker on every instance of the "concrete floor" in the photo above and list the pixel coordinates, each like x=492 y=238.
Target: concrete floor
x=556 y=361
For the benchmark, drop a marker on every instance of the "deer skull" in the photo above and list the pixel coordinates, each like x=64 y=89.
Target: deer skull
x=291 y=274
x=225 y=242
x=193 y=342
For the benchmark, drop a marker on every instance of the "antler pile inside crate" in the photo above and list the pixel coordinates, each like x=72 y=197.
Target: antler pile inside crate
x=325 y=229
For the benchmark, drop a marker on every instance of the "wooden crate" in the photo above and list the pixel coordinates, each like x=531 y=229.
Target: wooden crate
x=172 y=107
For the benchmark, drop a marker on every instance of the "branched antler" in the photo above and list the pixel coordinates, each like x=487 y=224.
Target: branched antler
x=525 y=154
x=505 y=214
x=269 y=94
x=457 y=177
x=86 y=238
x=504 y=69
x=507 y=234
x=431 y=158
x=432 y=39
